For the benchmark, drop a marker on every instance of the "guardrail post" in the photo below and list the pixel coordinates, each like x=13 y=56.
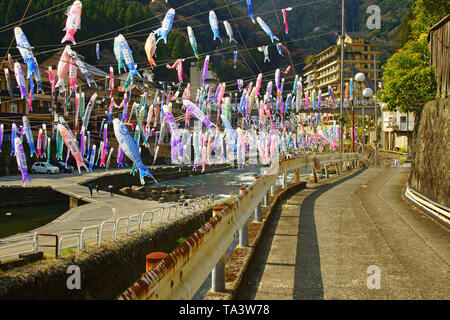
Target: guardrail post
x=284 y=180
x=218 y=272
x=152 y=259
x=243 y=233
x=266 y=199
x=258 y=216
x=272 y=191
x=314 y=176
x=297 y=175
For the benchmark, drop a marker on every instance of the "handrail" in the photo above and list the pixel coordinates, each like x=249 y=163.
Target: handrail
x=102 y=226
x=38 y=235
x=33 y=242
x=83 y=231
x=116 y=227
x=76 y=235
x=130 y=219
x=181 y=274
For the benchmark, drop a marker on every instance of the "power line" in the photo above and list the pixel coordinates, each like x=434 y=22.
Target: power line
x=12 y=40
x=12 y=25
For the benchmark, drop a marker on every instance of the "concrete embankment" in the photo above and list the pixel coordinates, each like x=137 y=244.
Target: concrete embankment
x=12 y=196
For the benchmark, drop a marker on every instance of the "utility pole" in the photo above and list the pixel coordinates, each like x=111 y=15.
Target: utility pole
x=341 y=131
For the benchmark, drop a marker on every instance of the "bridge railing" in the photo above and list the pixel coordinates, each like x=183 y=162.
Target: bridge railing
x=182 y=273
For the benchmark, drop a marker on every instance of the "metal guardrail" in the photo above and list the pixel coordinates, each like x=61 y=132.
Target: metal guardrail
x=434 y=209
x=133 y=223
x=181 y=274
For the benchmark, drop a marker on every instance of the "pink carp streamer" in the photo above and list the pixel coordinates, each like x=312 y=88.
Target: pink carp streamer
x=286 y=27
x=179 y=66
x=105 y=146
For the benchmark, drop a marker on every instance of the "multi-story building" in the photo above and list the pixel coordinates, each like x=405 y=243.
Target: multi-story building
x=196 y=78
x=325 y=68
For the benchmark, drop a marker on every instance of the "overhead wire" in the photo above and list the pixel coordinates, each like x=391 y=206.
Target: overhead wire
x=12 y=25
x=12 y=40
x=246 y=48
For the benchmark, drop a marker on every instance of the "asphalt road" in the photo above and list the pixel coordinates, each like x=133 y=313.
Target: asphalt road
x=352 y=239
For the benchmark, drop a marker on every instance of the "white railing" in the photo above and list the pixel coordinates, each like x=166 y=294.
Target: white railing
x=60 y=246
x=133 y=223
x=179 y=276
x=31 y=241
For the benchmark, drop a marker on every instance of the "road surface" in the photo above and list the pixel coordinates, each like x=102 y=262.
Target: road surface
x=352 y=238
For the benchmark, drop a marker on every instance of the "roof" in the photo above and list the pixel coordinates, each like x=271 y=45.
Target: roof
x=95 y=71
x=440 y=23
x=355 y=34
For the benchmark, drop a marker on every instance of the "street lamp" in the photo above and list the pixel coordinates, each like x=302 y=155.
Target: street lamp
x=368 y=93
x=360 y=78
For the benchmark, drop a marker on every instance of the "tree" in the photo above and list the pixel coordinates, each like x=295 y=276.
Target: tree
x=409 y=78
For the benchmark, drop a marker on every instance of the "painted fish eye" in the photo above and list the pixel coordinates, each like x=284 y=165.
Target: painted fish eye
x=123 y=130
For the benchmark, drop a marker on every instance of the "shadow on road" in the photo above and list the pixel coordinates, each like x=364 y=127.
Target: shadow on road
x=307 y=277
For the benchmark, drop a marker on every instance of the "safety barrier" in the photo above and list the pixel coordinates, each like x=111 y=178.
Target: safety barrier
x=61 y=248
x=83 y=239
x=132 y=224
x=181 y=274
x=434 y=209
x=32 y=241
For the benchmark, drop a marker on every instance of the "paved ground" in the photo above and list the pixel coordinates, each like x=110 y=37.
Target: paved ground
x=326 y=237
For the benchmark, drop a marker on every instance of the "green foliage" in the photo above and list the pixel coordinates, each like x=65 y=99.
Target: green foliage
x=315 y=21
x=181 y=240
x=408 y=76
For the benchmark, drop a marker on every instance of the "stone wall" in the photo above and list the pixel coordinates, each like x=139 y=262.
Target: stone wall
x=106 y=271
x=431 y=152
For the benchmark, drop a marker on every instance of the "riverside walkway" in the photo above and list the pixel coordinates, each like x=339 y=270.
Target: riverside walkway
x=352 y=238
x=100 y=207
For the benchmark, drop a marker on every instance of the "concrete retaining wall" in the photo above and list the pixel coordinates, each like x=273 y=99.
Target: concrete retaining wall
x=17 y=196
x=431 y=152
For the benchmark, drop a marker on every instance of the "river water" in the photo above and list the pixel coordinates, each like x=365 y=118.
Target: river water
x=15 y=220
x=222 y=184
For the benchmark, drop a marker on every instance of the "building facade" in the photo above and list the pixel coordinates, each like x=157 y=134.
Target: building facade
x=325 y=68
x=397 y=128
